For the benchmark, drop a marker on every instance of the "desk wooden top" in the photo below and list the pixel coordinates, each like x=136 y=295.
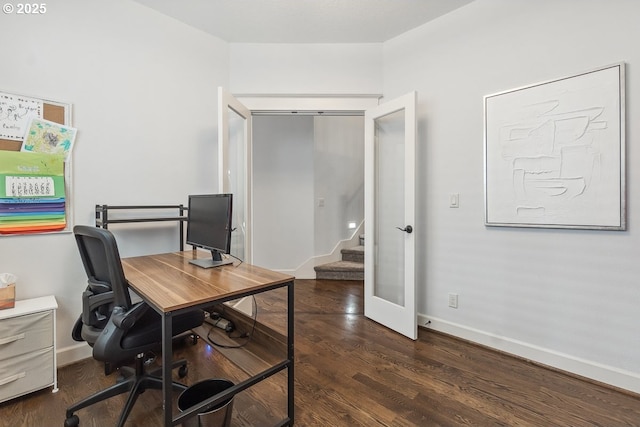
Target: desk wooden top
x=169 y=282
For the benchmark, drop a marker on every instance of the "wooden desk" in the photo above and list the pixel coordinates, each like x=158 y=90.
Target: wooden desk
x=169 y=284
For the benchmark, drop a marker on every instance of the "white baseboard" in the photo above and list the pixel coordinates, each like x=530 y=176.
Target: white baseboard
x=243 y=305
x=74 y=353
x=606 y=374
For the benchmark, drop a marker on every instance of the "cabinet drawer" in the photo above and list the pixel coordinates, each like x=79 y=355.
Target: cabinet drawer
x=24 y=374
x=24 y=334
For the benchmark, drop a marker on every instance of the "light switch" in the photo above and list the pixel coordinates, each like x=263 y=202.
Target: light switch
x=454 y=200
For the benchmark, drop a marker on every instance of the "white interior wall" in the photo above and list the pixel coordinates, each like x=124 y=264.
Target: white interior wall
x=143 y=90
x=338 y=179
x=297 y=68
x=567 y=298
x=299 y=160
x=282 y=191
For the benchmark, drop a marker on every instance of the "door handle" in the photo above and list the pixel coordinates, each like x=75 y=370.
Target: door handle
x=408 y=229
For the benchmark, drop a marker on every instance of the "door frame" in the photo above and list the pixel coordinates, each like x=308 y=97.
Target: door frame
x=284 y=104
x=228 y=101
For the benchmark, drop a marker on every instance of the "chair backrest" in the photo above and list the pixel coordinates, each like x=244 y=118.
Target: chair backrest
x=106 y=286
x=101 y=260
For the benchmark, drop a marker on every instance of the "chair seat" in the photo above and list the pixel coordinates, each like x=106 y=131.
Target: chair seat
x=148 y=329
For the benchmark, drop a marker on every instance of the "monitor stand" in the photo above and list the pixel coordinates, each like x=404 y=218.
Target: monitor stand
x=216 y=260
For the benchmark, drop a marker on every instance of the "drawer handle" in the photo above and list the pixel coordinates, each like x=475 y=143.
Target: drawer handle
x=7 y=340
x=12 y=378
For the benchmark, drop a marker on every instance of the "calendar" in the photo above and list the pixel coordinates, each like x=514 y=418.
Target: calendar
x=29 y=186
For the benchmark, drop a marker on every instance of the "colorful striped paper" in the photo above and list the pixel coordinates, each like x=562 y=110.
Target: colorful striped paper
x=26 y=207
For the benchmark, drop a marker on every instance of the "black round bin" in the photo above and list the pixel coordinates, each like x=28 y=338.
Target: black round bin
x=218 y=415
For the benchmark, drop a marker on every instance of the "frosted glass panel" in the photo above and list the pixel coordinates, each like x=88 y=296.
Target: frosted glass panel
x=237 y=185
x=389 y=209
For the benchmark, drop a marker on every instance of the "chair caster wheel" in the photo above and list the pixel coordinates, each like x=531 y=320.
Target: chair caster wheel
x=72 y=421
x=182 y=371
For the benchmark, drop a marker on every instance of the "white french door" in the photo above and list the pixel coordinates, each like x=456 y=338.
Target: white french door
x=234 y=168
x=390 y=292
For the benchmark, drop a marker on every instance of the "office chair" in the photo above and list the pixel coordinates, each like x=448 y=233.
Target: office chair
x=131 y=329
x=97 y=304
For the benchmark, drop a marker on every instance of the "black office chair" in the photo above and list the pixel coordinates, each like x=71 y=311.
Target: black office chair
x=97 y=304
x=131 y=330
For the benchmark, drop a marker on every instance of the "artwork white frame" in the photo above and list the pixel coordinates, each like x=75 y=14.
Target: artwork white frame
x=554 y=153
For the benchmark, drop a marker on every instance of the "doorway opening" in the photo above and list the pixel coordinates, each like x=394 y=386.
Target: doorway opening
x=308 y=188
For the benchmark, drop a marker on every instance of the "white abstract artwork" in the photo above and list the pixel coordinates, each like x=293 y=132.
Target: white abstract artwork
x=555 y=153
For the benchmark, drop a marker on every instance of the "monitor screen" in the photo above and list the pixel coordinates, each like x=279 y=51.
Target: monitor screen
x=209 y=226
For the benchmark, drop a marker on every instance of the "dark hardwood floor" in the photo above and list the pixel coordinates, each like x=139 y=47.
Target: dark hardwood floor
x=351 y=371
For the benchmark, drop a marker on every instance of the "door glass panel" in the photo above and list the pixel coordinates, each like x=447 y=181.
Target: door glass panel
x=389 y=208
x=236 y=181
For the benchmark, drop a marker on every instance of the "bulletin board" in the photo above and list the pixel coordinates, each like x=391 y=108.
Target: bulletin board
x=14 y=106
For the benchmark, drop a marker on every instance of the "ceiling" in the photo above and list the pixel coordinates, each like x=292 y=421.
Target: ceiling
x=304 y=21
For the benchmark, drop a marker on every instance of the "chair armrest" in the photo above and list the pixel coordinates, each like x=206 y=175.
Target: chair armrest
x=91 y=301
x=125 y=320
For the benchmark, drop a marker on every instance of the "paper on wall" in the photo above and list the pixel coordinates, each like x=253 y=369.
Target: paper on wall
x=15 y=113
x=44 y=136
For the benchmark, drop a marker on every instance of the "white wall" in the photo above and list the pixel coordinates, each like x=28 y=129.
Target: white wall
x=567 y=298
x=282 y=191
x=298 y=160
x=265 y=68
x=143 y=90
x=338 y=179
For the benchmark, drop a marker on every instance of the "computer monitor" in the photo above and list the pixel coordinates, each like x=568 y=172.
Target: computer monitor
x=209 y=227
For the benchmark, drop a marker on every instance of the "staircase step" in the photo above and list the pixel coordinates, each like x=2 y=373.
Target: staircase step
x=355 y=254
x=340 y=270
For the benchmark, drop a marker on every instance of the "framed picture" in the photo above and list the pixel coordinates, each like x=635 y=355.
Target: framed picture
x=554 y=153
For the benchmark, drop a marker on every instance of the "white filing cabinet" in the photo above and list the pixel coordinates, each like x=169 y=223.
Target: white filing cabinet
x=28 y=347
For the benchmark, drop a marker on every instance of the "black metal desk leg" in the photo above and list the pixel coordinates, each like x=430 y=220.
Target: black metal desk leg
x=167 y=356
x=290 y=351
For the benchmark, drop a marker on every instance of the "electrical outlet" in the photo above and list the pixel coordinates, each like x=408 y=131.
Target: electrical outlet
x=453 y=300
